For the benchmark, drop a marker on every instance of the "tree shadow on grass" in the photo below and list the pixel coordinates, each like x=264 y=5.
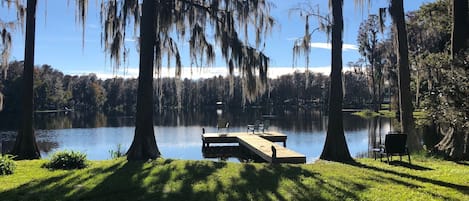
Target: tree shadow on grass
x=295 y=183
x=461 y=188
x=408 y=165
x=156 y=180
x=384 y=179
x=118 y=183
x=34 y=190
x=183 y=180
x=466 y=163
x=57 y=187
x=207 y=180
x=254 y=184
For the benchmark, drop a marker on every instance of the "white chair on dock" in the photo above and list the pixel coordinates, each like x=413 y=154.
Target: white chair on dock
x=254 y=127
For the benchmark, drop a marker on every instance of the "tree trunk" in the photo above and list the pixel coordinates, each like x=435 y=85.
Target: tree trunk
x=380 y=93
x=460 y=32
x=373 y=140
x=144 y=143
x=335 y=147
x=25 y=144
x=454 y=144
x=417 y=101
x=373 y=83
x=405 y=97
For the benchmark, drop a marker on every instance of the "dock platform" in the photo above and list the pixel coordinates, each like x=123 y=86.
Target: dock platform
x=262 y=144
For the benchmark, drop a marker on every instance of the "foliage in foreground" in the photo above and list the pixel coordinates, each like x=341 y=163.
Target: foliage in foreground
x=425 y=179
x=67 y=160
x=7 y=165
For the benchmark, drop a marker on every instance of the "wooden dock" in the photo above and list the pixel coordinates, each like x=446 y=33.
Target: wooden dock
x=262 y=144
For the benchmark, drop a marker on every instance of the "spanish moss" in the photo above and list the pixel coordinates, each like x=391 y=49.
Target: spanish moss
x=204 y=24
x=302 y=45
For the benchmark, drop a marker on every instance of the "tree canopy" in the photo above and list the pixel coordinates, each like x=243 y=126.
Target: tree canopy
x=205 y=25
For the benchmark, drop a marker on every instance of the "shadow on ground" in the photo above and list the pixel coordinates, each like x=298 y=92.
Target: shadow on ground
x=206 y=180
x=461 y=188
x=180 y=180
x=408 y=165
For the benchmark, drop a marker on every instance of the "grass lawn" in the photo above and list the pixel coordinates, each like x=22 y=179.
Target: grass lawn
x=366 y=113
x=164 y=179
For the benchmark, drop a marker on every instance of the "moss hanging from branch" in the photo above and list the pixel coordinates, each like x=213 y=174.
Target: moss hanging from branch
x=6 y=27
x=5 y=35
x=81 y=14
x=204 y=24
x=302 y=45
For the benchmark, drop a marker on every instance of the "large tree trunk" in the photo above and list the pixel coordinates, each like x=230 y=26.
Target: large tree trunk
x=455 y=142
x=144 y=144
x=460 y=31
x=25 y=145
x=405 y=97
x=380 y=92
x=373 y=83
x=335 y=147
x=373 y=140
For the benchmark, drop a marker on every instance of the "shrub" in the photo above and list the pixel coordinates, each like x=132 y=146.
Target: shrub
x=67 y=160
x=7 y=165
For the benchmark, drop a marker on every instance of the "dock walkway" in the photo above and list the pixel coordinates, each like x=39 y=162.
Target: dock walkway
x=262 y=144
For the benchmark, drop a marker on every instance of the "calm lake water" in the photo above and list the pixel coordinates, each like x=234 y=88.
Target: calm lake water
x=178 y=134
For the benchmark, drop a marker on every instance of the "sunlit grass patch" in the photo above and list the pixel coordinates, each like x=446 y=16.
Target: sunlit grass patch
x=164 y=179
x=366 y=113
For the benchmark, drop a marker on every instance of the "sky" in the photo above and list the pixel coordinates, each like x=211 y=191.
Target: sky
x=59 y=40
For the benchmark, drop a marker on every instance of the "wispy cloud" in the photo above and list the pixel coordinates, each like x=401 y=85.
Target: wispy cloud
x=93 y=26
x=345 y=46
x=206 y=72
x=293 y=38
x=130 y=39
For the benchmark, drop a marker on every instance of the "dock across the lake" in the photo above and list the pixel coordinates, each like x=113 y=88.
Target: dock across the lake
x=262 y=144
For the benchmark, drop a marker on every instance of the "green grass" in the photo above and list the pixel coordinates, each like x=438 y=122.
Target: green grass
x=366 y=113
x=385 y=106
x=419 y=114
x=425 y=179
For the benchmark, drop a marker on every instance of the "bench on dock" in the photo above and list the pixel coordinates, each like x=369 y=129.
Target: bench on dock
x=262 y=144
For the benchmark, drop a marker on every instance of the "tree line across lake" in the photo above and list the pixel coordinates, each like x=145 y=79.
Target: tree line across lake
x=55 y=91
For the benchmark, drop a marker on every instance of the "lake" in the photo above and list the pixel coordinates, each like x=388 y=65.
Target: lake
x=178 y=134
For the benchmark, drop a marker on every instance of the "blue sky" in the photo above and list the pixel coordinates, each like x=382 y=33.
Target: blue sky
x=59 y=40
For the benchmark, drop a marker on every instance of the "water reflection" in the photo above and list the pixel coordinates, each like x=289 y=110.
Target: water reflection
x=178 y=134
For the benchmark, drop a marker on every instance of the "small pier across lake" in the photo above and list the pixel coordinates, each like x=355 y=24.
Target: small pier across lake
x=262 y=144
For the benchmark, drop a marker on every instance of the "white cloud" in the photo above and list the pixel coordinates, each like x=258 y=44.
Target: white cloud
x=293 y=38
x=345 y=47
x=275 y=72
x=321 y=45
x=207 y=72
x=93 y=26
x=130 y=39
